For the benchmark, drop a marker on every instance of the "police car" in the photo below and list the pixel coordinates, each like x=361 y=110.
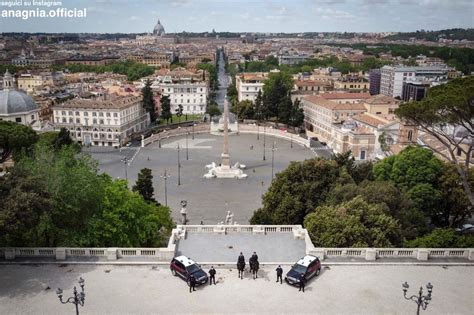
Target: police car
x=185 y=267
x=309 y=265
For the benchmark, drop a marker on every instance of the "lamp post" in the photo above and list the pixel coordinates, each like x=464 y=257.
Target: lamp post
x=77 y=299
x=179 y=169
x=187 y=133
x=421 y=300
x=125 y=162
x=273 y=153
x=264 y=143
x=193 y=129
x=258 y=132
x=165 y=177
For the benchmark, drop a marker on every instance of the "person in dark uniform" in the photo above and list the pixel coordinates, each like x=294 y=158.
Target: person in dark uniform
x=279 y=271
x=212 y=275
x=192 y=283
x=241 y=258
x=302 y=282
x=254 y=257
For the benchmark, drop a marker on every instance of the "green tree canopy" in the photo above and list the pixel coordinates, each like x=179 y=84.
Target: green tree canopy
x=352 y=224
x=244 y=109
x=144 y=185
x=213 y=110
x=296 y=191
x=14 y=138
x=166 y=108
x=446 y=107
x=149 y=101
x=442 y=238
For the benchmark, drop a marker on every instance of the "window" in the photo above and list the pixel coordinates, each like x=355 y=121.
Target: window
x=410 y=135
x=94 y=114
x=71 y=120
x=32 y=116
x=362 y=155
x=107 y=114
x=77 y=114
x=115 y=115
x=459 y=152
x=78 y=121
x=101 y=121
x=94 y=121
x=64 y=119
x=101 y=114
x=18 y=119
x=86 y=114
x=63 y=113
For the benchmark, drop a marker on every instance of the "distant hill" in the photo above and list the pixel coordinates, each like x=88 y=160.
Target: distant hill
x=434 y=36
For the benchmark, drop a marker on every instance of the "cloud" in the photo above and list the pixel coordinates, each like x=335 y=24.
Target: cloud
x=328 y=13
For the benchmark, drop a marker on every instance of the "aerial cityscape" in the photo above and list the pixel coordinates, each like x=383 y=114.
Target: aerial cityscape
x=237 y=157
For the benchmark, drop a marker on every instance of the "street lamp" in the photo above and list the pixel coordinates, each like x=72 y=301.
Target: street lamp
x=165 y=177
x=420 y=300
x=179 y=169
x=193 y=129
x=264 y=143
x=187 y=133
x=77 y=299
x=125 y=162
x=273 y=152
x=258 y=132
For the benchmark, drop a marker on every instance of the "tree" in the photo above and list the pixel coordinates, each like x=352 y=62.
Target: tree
x=213 y=110
x=144 y=185
x=127 y=220
x=259 y=106
x=276 y=101
x=271 y=61
x=297 y=114
x=296 y=191
x=442 y=238
x=232 y=93
x=166 y=108
x=179 y=112
x=15 y=138
x=352 y=224
x=149 y=101
x=245 y=109
x=64 y=139
x=446 y=109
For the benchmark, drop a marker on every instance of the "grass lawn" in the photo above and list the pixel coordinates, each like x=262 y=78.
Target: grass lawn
x=191 y=117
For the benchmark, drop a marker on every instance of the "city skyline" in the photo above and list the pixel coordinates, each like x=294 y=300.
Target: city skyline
x=273 y=16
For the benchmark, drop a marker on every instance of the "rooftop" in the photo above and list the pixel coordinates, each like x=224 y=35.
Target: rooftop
x=306 y=260
x=115 y=103
x=329 y=104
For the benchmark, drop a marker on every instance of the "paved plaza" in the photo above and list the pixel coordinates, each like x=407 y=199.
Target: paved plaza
x=210 y=247
x=208 y=199
x=153 y=290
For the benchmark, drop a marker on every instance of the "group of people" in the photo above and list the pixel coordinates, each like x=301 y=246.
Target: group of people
x=254 y=266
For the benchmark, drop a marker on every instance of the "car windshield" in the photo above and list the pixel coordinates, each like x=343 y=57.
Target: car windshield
x=299 y=268
x=192 y=268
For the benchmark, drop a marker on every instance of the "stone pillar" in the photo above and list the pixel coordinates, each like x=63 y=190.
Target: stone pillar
x=219 y=229
x=258 y=229
x=471 y=254
x=60 y=253
x=318 y=252
x=370 y=254
x=9 y=253
x=111 y=253
x=225 y=152
x=422 y=254
x=143 y=141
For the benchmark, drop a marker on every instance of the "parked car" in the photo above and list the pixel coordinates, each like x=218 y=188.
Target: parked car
x=465 y=229
x=184 y=267
x=309 y=265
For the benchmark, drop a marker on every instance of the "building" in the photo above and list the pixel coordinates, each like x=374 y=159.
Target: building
x=16 y=105
x=374 y=81
x=186 y=88
x=159 y=30
x=108 y=121
x=249 y=84
x=392 y=77
x=414 y=90
x=355 y=124
x=352 y=84
x=291 y=59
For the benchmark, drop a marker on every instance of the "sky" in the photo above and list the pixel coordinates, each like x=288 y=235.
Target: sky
x=138 y=16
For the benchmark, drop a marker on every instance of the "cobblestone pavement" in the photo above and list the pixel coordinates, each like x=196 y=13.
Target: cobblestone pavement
x=153 y=290
x=208 y=199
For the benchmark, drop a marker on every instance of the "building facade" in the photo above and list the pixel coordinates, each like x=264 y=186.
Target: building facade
x=249 y=84
x=374 y=81
x=107 y=121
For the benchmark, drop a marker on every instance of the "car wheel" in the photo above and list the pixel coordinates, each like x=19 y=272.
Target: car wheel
x=173 y=272
x=318 y=271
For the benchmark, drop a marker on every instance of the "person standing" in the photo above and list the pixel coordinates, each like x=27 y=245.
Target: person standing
x=302 y=282
x=279 y=271
x=212 y=275
x=192 y=283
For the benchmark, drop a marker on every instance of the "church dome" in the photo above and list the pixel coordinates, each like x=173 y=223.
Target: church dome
x=159 y=29
x=13 y=102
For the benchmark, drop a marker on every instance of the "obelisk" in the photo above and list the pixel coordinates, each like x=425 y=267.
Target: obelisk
x=225 y=152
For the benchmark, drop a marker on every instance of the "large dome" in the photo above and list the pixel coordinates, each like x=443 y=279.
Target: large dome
x=13 y=102
x=159 y=29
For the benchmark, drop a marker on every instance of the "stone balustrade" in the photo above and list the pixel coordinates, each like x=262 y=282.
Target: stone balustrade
x=165 y=254
x=181 y=131
x=274 y=132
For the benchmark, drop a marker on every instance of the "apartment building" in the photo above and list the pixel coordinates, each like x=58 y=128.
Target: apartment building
x=107 y=121
x=249 y=84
